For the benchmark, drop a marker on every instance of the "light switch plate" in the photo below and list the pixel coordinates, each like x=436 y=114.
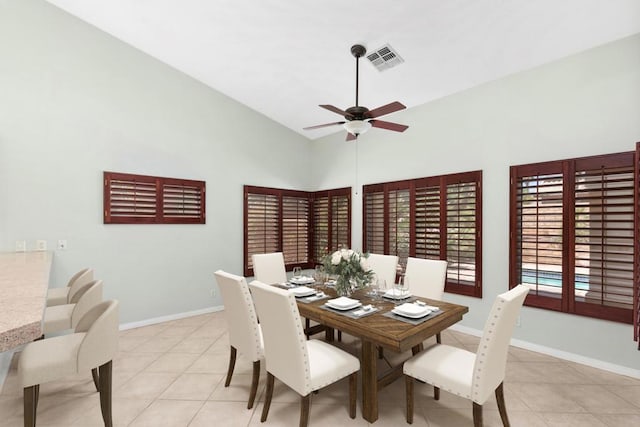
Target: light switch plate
x=21 y=245
x=41 y=245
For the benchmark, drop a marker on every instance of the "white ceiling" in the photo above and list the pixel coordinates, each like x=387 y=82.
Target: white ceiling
x=284 y=57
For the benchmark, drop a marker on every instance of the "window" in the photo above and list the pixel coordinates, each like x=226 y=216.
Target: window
x=572 y=235
x=437 y=217
x=304 y=226
x=142 y=199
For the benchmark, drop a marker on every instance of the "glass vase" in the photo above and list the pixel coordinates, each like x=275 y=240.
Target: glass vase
x=344 y=286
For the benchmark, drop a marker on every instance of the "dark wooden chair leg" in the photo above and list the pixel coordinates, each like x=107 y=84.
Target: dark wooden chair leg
x=94 y=375
x=353 y=393
x=438 y=338
x=105 y=381
x=232 y=365
x=307 y=327
x=339 y=335
x=501 y=406
x=30 y=402
x=436 y=393
x=304 y=410
x=380 y=353
x=409 y=397
x=254 y=383
x=267 y=398
x=477 y=415
x=37 y=396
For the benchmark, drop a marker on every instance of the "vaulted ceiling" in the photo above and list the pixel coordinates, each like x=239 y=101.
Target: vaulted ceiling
x=284 y=58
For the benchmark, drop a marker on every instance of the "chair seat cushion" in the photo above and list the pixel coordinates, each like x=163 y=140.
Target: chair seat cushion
x=49 y=359
x=328 y=364
x=57 y=296
x=57 y=318
x=443 y=366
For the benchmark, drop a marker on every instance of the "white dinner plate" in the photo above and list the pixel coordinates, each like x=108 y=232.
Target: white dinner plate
x=395 y=294
x=302 y=280
x=411 y=310
x=343 y=303
x=302 y=291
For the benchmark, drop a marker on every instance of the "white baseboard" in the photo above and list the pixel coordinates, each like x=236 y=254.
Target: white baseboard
x=571 y=357
x=155 y=320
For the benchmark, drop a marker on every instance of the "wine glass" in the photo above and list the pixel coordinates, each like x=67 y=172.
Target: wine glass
x=373 y=288
x=402 y=288
x=318 y=277
x=297 y=272
x=381 y=286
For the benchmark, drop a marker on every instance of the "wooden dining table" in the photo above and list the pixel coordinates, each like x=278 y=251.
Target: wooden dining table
x=378 y=331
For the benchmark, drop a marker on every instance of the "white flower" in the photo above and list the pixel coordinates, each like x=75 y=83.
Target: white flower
x=364 y=264
x=335 y=258
x=345 y=254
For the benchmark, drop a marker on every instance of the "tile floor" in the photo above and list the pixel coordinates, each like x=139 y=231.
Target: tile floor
x=172 y=374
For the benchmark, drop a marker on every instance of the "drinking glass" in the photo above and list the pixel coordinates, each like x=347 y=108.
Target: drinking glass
x=381 y=284
x=402 y=288
x=373 y=289
x=297 y=272
x=318 y=276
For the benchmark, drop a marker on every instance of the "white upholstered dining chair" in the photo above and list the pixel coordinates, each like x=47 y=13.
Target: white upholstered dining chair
x=303 y=365
x=473 y=376
x=59 y=296
x=62 y=317
x=269 y=268
x=427 y=278
x=245 y=334
x=93 y=345
x=384 y=267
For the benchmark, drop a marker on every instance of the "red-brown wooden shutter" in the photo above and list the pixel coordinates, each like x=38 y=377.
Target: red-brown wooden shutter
x=399 y=224
x=183 y=201
x=262 y=224
x=636 y=239
x=427 y=219
x=374 y=219
x=340 y=219
x=295 y=229
x=320 y=227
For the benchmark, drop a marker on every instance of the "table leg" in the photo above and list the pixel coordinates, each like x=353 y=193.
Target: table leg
x=369 y=370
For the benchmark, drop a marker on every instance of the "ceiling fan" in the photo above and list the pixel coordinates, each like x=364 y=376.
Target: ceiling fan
x=359 y=119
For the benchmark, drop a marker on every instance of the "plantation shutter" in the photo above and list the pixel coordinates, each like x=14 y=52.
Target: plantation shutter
x=295 y=229
x=463 y=214
x=262 y=224
x=427 y=220
x=143 y=199
x=604 y=234
x=341 y=220
x=636 y=261
x=399 y=224
x=374 y=219
x=182 y=201
x=321 y=228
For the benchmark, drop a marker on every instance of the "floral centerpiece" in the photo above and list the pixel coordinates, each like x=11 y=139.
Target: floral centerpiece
x=352 y=269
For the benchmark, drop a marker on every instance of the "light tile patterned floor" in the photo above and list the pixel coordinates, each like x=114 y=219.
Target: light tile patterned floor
x=172 y=374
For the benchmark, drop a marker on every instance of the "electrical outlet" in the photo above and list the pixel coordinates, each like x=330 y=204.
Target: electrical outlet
x=21 y=245
x=62 y=245
x=213 y=293
x=41 y=245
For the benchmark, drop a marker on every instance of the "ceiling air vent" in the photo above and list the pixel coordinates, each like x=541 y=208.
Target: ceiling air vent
x=384 y=58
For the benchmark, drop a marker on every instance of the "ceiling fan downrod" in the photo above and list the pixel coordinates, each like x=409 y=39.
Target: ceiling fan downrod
x=358 y=50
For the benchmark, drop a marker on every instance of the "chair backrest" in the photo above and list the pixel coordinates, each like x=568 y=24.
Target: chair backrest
x=100 y=344
x=85 y=299
x=426 y=277
x=242 y=324
x=269 y=268
x=77 y=281
x=285 y=347
x=384 y=267
x=491 y=358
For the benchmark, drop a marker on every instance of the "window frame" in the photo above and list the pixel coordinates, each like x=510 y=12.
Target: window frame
x=441 y=182
x=568 y=169
x=156 y=189
x=312 y=255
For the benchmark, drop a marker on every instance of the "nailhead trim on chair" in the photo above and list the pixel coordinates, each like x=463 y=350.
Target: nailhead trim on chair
x=302 y=340
x=254 y=320
x=481 y=355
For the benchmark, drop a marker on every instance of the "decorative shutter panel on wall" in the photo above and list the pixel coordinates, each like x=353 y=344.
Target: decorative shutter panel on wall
x=143 y=199
x=295 y=229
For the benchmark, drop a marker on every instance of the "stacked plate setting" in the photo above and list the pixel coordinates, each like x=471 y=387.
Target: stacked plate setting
x=302 y=291
x=411 y=310
x=302 y=280
x=343 y=303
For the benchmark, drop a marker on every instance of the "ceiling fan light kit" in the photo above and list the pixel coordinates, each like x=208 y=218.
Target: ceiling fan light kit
x=359 y=119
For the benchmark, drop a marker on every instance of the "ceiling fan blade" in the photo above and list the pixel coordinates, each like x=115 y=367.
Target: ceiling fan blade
x=350 y=137
x=388 y=125
x=323 y=126
x=336 y=110
x=385 y=109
